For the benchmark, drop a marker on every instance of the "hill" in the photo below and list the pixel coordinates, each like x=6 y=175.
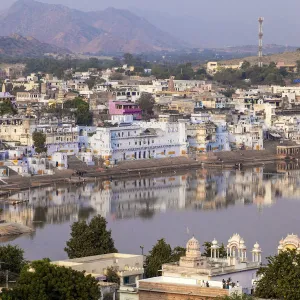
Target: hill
x=111 y=30
x=287 y=57
x=17 y=45
x=250 y=50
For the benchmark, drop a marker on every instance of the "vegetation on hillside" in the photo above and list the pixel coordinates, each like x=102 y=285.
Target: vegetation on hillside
x=249 y=75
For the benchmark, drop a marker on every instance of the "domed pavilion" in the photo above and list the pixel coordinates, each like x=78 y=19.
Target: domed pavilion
x=193 y=256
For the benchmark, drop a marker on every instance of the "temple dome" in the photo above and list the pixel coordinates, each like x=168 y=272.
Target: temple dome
x=256 y=248
x=193 y=244
x=214 y=242
x=193 y=248
x=242 y=245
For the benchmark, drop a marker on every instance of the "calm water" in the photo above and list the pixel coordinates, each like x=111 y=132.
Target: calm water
x=260 y=205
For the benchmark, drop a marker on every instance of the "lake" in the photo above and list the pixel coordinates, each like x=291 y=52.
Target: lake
x=262 y=205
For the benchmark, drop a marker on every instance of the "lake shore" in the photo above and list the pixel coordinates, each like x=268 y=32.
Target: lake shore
x=130 y=169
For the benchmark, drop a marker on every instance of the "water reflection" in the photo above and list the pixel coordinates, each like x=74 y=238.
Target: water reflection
x=144 y=197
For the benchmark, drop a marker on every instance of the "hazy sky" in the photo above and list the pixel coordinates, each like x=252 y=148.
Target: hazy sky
x=231 y=21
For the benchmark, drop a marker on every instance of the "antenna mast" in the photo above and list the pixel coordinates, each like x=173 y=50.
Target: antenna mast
x=260 y=41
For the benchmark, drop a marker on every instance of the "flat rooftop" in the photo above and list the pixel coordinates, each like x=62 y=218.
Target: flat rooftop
x=90 y=259
x=180 y=282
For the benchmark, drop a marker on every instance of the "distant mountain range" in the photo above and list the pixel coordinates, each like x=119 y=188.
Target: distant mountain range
x=17 y=45
x=108 y=31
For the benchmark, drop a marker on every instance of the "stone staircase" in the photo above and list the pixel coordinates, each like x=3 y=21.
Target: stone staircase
x=245 y=156
x=76 y=164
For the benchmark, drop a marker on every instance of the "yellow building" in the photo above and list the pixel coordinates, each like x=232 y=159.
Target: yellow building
x=183 y=105
x=212 y=67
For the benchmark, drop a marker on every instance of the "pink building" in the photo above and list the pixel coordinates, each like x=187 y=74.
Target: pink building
x=125 y=108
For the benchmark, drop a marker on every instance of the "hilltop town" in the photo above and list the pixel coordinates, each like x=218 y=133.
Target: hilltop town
x=123 y=120
x=124 y=114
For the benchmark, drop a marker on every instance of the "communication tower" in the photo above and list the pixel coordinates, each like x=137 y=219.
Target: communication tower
x=260 y=41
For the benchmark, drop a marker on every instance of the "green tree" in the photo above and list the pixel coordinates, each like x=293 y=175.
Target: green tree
x=207 y=250
x=39 y=139
x=160 y=254
x=120 y=70
x=267 y=74
x=228 y=93
x=116 y=76
x=246 y=65
x=112 y=275
x=161 y=71
x=280 y=278
x=88 y=239
x=12 y=258
x=45 y=281
x=82 y=114
x=184 y=72
x=128 y=59
x=177 y=252
x=298 y=66
x=7 y=108
x=91 y=82
x=146 y=104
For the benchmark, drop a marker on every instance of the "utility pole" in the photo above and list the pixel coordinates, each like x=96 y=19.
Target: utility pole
x=6 y=278
x=142 y=248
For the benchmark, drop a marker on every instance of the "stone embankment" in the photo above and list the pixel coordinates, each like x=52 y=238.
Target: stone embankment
x=129 y=169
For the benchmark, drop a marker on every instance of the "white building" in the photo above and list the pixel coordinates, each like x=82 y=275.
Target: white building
x=185 y=85
x=129 y=266
x=156 y=86
x=245 y=135
x=141 y=140
x=189 y=276
x=276 y=89
x=60 y=138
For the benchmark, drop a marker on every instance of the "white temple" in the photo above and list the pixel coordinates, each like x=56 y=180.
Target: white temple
x=235 y=265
